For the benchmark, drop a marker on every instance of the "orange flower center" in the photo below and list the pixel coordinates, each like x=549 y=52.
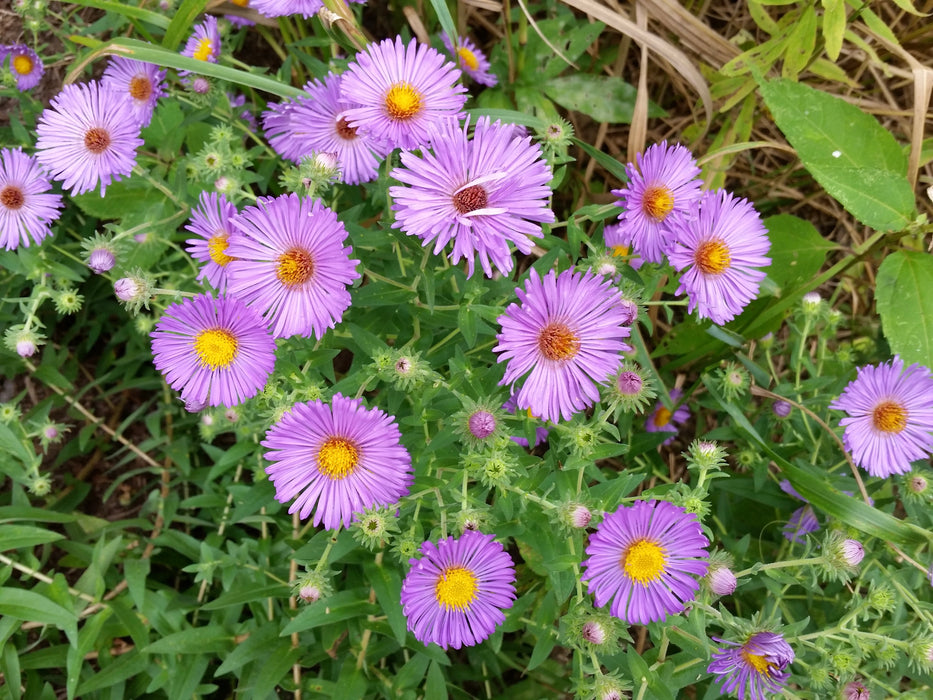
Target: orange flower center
x=22 y=64
x=557 y=342
x=657 y=202
x=295 y=267
x=712 y=257
x=140 y=88
x=662 y=417
x=12 y=197
x=96 y=140
x=889 y=417
x=470 y=199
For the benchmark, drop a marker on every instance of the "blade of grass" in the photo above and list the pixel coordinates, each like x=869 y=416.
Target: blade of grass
x=182 y=22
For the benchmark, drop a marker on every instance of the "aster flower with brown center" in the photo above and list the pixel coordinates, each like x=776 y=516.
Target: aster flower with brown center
x=141 y=84
x=27 y=204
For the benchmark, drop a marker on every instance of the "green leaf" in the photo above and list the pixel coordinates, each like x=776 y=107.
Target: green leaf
x=248 y=594
x=800 y=44
x=127 y=10
x=846 y=150
x=435 y=687
x=797 y=250
x=182 y=22
x=196 y=640
x=33 y=607
x=17 y=536
x=13 y=446
x=387 y=583
x=605 y=98
x=126 y=666
x=904 y=295
x=122 y=197
x=444 y=17
x=834 y=26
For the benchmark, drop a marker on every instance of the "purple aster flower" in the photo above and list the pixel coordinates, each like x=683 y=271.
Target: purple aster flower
x=317 y=123
x=283 y=8
x=211 y=220
x=662 y=420
x=471 y=60
x=620 y=245
x=237 y=20
x=336 y=460
x=802 y=522
x=141 y=83
x=753 y=669
x=482 y=193
x=204 y=42
x=890 y=416
x=566 y=335
x=25 y=65
x=721 y=248
x=455 y=593
x=663 y=185
x=291 y=265
x=401 y=91
x=647 y=560
x=218 y=352
x=87 y=137
x=27 y=207
x=541 y=432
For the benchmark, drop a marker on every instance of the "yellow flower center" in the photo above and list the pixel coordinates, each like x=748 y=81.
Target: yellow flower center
x=96 y=140
x=662 y=417
x=619 y=251
x=240 y=3
x=456 y=588
x=216 y=348
x=759 y=663
x=295 y=267
x=203 y=52
x=712 y=257
x=889 y=417
x=644 y=561
x=22 y=64
x=467 y=58
x=216 y=248
x=12 y=197
x=557 y=342
x=657 y=202
x=337 y=458
x=140 y=88
x=403 y=101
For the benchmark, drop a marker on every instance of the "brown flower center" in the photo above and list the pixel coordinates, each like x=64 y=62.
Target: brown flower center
x=96 y=140
x=712 y=257
x=140 y=88
x=557 y=342
x=12 y=197
x=470 y=199
x=345 y=131
x=889 y=417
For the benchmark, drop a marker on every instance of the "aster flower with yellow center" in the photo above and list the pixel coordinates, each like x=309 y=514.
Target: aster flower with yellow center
x=204 y=43
x=336 y=460
x=662 y=187
x=663 y=420
x=211 y=221
x=471 y=60
x=25 y=65
x=291 y=265
x=141 y=83
x=400 y=90
x=646 y=561
x=216 y=352
x=455 y=594
x=755 y=669
x=719 y=251
x=890 y=416
x=566 y=335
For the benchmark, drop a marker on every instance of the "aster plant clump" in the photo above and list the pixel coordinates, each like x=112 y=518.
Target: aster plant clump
x=351 y=360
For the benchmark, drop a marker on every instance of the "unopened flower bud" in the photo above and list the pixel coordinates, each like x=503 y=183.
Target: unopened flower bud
x=722 y=581
x=781 y=409
x=127 y=289
x=811 y=302
x=200 y=85
x=593 y=632
x=629 y=382
x=917 y=484
x=481 y=424
x=309 y=594
x=579 y=515
x=101 y=260
x=767 y=341
x=855 y=690
x=25 y=348
x=852 y=552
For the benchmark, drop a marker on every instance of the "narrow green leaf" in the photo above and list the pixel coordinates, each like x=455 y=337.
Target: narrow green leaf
x=256 y=646
x=904 y=295
x=604 y=159
x=33 y=607
x=510 y=116
x=17 y=536
x=279 y=661
x=127 y=10
x=387 y=583
x=182 y=22
x=800 y=44
x=834 y=26
x=435 y=687
x=445 y=18
x=126 y=666
x=195 y=640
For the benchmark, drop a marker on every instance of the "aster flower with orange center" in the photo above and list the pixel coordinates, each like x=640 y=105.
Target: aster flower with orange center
x=890 y=417
x=662 y=188
x=566 y=336
x=471 y=60
x=754 y=669
x=211 y=220
x=27 y=204
x=481 y=193
x=646 y=561
x=216 y=352
x=336 y=460
x=719 y=252
x=455 y=594
x=25 y=65
x=664 y=421
x=141 y=83
x=87 y=137
x=291 y=265
x=401 y=91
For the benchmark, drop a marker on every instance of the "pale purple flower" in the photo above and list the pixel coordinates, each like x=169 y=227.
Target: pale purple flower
x=211 y=220
x=645 y=561
x=204 y=42
x=719 y=251
x=566 y=336
x=471 y=60
x=26 y=348
x=27 y=205
x=890 y=416
x=127 y=289
x=755 y=669
x=283 y=8
x=619 y=243
x=722 y=581
x=101 y=260
x=291 y=265
x=663 y=186
x=88 y=137
x=593 y=632
x=852 y=552
x=455 y=593
x=481 y=193
x=25 y=65
x=664 y=421
x=802 y=522
x=217 y=352
x=141 y=84
x=336 y=460
x=401 y=91
x=781 y=409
